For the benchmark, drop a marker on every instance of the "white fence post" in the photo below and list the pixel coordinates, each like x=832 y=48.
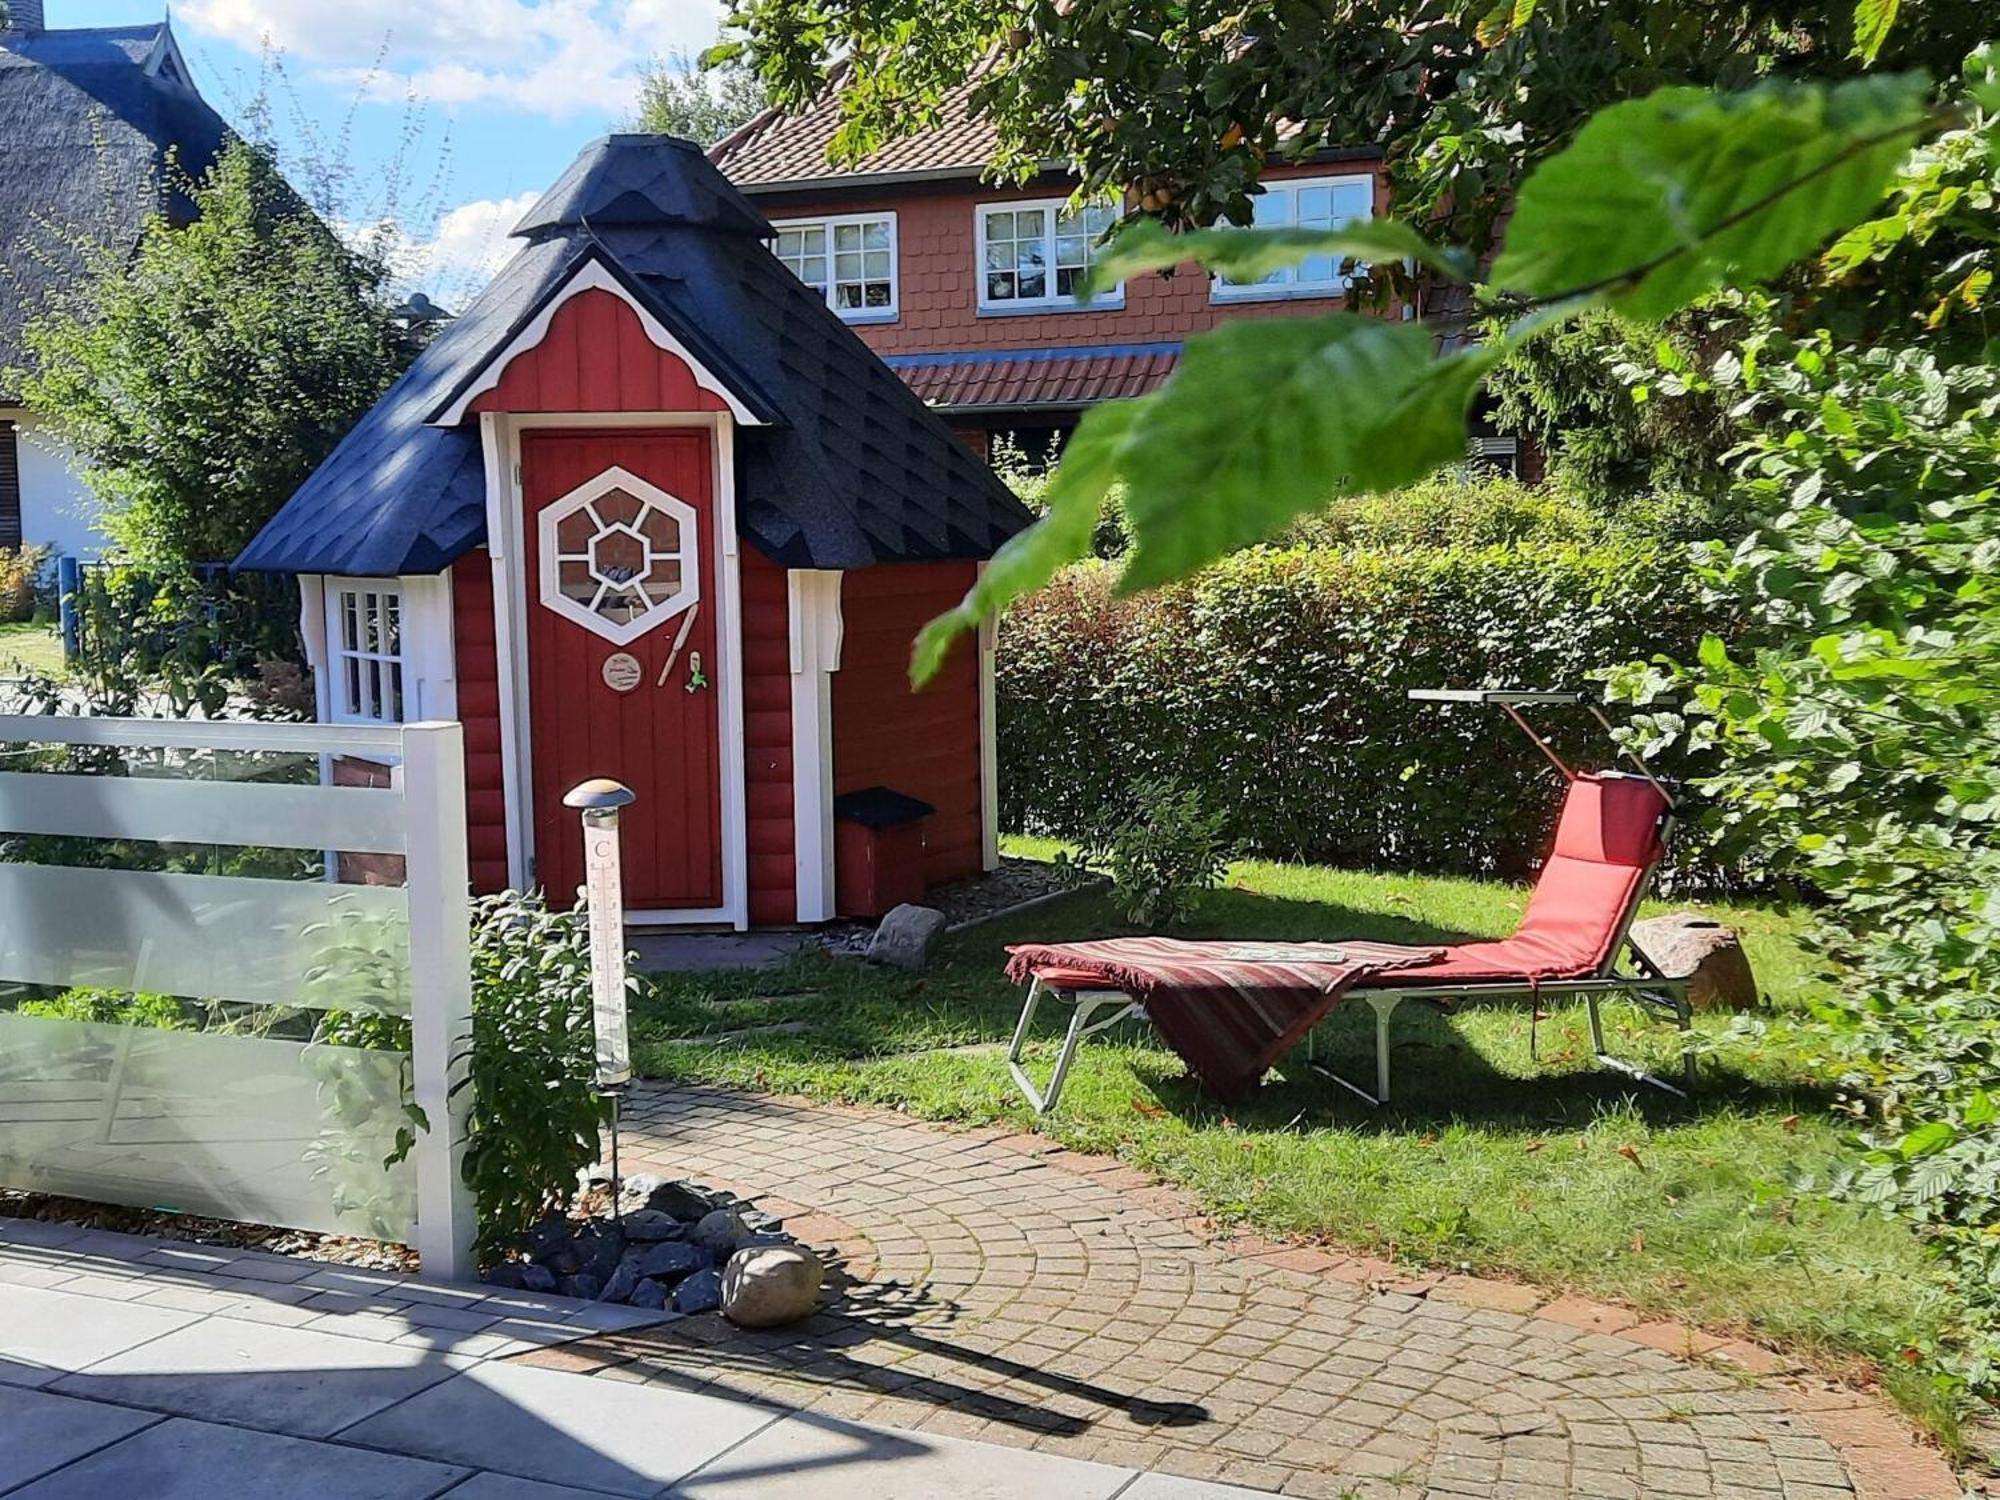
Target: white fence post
x=439 y=886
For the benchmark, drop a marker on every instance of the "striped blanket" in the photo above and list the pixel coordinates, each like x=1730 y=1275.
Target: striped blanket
x=1231 y=1009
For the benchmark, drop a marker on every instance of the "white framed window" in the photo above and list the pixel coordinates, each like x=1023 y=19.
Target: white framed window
x=1303 y=203
x=1035 y=254
x=850 y=260
x=365 y=650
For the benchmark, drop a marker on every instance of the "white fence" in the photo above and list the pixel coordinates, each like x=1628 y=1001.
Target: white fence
x=193 y=1016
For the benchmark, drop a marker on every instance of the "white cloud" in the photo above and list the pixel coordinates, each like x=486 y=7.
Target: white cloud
x=556 y=58
x=471 y=243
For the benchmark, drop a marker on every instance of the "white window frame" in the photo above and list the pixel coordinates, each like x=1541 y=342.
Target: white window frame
x=1287 y=282
x=832 y=222
x=339 y=653
x=1051 y=300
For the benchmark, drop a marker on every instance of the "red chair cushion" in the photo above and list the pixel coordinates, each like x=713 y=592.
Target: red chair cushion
x=1607 y=840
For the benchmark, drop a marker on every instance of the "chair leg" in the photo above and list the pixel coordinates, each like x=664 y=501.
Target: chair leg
x=1676 y=999
x=1384 y=1004
x=1086 y=1003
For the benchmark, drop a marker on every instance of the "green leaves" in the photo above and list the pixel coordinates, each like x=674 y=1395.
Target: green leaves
x=1662 y=199
x=1263 y=421
x=1247 y=255
x=1075 y=496
x=1267 y=420
x=1873 y=21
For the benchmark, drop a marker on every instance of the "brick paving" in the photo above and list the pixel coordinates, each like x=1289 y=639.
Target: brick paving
x=999 y=1288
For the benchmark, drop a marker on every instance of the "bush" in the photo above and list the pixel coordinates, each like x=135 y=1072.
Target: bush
x=21 y=582
x=535 y=1116
x=1169 y=846
x=1276 y=683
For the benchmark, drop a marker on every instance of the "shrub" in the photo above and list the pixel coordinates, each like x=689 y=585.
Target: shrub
x=535 y=1116
x=1169 y=846
x=1276 y=683
x=21 y=582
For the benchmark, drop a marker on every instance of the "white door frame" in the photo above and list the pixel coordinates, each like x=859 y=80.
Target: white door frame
x=501 y=438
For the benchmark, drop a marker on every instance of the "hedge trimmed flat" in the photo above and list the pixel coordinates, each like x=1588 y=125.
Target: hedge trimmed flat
x=1232 y=1009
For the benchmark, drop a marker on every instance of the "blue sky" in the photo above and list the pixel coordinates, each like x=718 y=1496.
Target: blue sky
x=504 y=93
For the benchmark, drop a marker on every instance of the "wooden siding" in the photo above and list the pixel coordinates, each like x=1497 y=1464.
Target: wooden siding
x=596 y=357
x=10 y=484
x=767 y=740
x=476 y=656
x=925 y=744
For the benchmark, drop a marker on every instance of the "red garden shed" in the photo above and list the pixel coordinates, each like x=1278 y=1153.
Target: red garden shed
x=648 y=509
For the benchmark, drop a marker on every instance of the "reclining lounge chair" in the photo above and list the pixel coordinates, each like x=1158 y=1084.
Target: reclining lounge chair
x=1609 y=839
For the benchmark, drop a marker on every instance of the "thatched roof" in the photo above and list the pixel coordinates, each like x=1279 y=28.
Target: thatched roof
x=89 y=122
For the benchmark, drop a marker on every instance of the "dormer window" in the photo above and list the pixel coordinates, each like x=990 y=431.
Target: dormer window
x=1035 y=255
x=850 y=260
x=1303 y=203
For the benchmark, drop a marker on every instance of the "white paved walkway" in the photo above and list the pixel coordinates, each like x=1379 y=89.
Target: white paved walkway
x=133 y=1366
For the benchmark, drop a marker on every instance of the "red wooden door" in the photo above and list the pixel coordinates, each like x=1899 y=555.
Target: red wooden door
x=622 y=570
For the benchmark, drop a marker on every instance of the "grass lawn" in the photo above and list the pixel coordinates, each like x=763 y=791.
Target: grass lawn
x=29 y=647
x=1549 y=1171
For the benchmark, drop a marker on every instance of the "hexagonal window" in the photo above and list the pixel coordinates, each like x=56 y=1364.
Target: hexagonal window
x=619 y=556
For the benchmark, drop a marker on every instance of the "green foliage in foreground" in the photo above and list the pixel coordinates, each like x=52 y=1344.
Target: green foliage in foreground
x=1487 y=1159
x=1857 y=742
x=1656 y=203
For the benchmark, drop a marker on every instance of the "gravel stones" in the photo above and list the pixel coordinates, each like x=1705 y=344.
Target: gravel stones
x=663 y=1251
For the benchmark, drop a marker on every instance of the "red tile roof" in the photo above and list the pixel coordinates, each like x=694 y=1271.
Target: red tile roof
x=1011 y=379
x=777 y=148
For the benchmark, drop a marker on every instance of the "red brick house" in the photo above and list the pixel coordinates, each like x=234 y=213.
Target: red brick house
x=965 y=288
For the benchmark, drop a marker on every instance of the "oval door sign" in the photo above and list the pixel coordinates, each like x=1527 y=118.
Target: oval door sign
x=622 y=671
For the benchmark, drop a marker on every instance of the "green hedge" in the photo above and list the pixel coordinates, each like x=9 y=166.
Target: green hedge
x=1276 y=683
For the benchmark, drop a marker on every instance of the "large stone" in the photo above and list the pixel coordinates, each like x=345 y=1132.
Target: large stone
x=1705 y=952
x=700 y=1293
x=769 y=1285
x=583 y=1285
x=644 y=1190
x=720 y=1232
x=671 y=1259
x=648 y=1294
x=624 y=1279
x=536 y=1278
x=904 y=939
x=651 y=1224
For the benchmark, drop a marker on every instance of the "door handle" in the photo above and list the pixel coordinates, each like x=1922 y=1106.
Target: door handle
x=696 y=680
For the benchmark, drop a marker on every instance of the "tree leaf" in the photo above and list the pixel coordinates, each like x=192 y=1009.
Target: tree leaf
x=1873 y=20
x=1252 y=254
x=1266 y=420
x=1075 y=498
x=1660 y=200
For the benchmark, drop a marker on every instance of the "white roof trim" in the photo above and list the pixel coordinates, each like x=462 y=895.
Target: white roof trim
x=592 y=275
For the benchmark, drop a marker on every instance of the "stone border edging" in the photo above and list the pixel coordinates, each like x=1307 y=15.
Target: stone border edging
x=1885 y=1458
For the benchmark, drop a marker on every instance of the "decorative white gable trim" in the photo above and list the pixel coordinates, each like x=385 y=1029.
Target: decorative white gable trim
x=813 y=599
x=592 y=275
x=989 y=741
x=166 y=58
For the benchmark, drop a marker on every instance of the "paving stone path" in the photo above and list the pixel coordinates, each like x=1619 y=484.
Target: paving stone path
x=1000 y=1289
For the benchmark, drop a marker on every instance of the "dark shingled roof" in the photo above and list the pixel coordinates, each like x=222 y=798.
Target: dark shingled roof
x=88 y=120
x=851 y=469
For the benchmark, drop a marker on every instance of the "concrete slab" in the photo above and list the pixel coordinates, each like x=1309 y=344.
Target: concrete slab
x=291 y=1380
x=40 y=1432
x=563 y=1428
x=46 y=1334
x=690 y=952
x=507 y=1487
x=183 y=1460
x=1174 y=1487
x=807 y=1455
